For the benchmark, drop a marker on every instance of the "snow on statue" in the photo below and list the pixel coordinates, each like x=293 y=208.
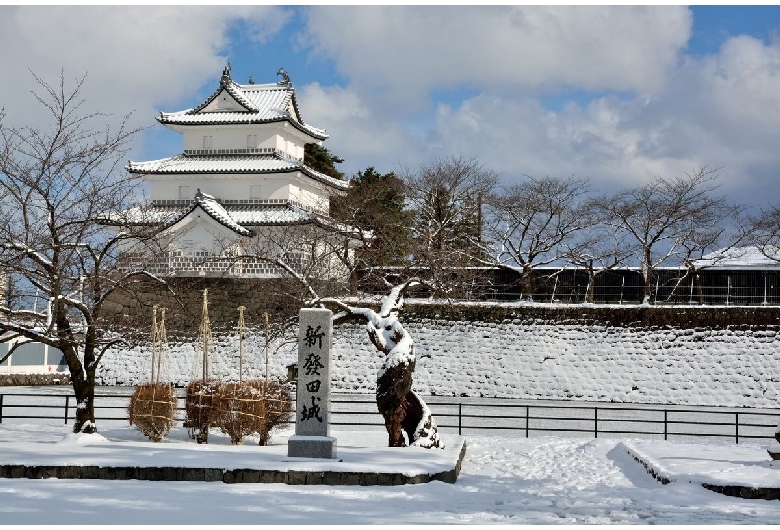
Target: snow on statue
x=407 y=418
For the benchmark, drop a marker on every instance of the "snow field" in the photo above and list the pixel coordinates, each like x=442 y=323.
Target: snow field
x=503 y=480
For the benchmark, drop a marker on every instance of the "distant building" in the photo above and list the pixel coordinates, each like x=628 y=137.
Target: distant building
x=741 y=258
x=239 y=182
x=31 y=358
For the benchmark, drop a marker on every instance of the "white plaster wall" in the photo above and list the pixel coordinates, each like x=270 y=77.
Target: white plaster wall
x=223 y=186
x=308 y=193
x=224 y=101
x=201 y=233
x=269 y=135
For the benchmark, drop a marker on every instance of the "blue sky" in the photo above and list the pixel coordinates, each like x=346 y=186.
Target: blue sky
x=616 y=94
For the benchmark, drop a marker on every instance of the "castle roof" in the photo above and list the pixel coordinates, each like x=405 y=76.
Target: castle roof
x=237 y=216
x=213 y=209
x=230 y=164
x=250 y=104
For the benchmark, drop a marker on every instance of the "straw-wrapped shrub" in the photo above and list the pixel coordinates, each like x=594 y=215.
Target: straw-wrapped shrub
x=251 y=408
x=199 y=408
x=152 y=409
x=278 y=409
x=239 y=410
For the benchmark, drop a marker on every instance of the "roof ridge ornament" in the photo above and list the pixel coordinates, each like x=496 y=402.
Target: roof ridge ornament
x=285 y=77
x=226 y=75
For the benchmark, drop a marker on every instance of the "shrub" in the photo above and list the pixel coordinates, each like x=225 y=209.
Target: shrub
x=253 y=407
x=239 y=410
x=152 y=410
x=279 y=409
x=199 y=408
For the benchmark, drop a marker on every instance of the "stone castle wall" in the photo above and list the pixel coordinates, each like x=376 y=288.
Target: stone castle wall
x=634 y=354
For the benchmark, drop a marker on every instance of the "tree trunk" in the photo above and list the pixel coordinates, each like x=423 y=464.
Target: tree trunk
x=353 y=282
x=83 y=382
x=589 y=294
x=85 y=405
x=526 y=285
x=393 y=386
x=647 y=272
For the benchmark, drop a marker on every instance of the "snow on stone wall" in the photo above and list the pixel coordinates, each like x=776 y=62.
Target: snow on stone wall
x=130 y=366
x=534 y=360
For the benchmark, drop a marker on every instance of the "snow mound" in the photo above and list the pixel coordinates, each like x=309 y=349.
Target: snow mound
x=80 y=438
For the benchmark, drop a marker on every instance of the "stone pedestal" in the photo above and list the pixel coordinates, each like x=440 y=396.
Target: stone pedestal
x=312 y=413
x=311 y=446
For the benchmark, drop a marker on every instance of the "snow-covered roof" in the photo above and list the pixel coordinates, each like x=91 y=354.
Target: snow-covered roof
x=241 y=163
x=258 y=103
x=213 y=209
x=741 y=257
x=239 y=216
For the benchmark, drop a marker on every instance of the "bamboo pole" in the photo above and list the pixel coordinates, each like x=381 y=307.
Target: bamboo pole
x=152 y=378
x=265 y=316
x=162 y=344
x=241 y=330
x=205 y=335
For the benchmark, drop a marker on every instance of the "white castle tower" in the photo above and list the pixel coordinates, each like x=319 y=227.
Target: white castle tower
x=239 y=183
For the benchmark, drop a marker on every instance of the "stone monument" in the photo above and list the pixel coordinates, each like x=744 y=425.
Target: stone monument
x=312 y=414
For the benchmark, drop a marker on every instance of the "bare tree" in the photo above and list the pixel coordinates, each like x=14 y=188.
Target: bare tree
x=669 y=218
x=765 y=232
x=725 y=237
x=446 y=197
x=56 y=184
x=599 y=248
x=530 y=224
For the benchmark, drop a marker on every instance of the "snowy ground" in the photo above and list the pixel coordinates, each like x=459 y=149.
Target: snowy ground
x=503 y=480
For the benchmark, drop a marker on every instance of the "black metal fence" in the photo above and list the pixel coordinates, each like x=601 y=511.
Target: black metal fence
x=674 y=286
x=467 y=417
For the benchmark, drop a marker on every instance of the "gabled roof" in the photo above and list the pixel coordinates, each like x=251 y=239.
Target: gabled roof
x=230 y=164
x=260 y=103
x=239 y=216
x=213 y=209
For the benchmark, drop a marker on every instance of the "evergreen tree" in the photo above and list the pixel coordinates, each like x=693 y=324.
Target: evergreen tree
x=320 y=159
x=375 y=202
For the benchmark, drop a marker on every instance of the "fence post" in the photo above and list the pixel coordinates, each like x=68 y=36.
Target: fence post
x=67 y=403
x=460 y=418
x=736 y=426
x=527 y=415
x=596 y=422
x=666 y=424
x=1 y=408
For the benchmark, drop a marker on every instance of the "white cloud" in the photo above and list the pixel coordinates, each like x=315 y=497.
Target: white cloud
x=664 y=113
x=138 y=58
x=720 y=110
x=402 y=54
x=652 y=110
x=355 y=131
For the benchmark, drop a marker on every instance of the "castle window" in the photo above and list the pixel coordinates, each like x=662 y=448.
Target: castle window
x=207 y=142
x=251 y=141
